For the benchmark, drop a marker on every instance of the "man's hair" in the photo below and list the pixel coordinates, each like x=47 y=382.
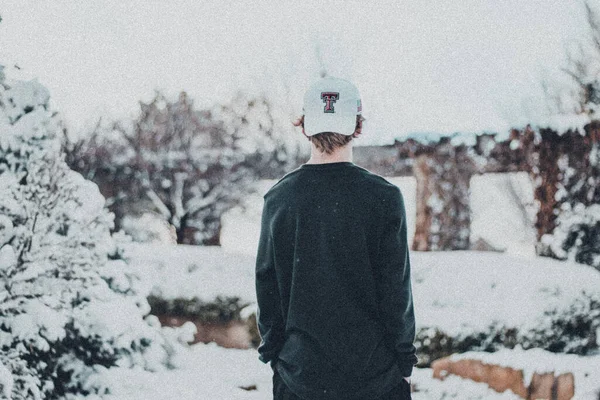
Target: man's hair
x=327 y=142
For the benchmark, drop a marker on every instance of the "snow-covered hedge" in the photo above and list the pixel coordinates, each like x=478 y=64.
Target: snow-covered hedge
x=576 y=236
x=68 y=307
x=575 y=330
x=464 y=300
x=476 y=301
x=220 y=310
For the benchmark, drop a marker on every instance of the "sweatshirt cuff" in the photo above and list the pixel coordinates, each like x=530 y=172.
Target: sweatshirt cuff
x=406 y=366
x=268 y=357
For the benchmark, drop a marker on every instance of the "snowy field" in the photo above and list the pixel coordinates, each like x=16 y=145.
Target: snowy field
x=455 y=291
x=458 y=292
x=210 y=372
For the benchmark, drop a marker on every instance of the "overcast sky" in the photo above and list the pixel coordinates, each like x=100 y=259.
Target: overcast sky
x=435 y=66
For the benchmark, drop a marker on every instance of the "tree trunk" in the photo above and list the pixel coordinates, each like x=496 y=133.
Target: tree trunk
x=422 y=173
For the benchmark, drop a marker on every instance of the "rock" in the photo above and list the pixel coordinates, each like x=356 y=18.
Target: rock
x=565 y=387
x=541 y=386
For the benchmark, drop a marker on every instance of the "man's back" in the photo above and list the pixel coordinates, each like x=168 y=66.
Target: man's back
x=333 y=283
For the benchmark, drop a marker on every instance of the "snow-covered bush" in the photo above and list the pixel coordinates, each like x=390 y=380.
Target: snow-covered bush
x=149 y=228
x=491 y=301
x=222 y=309
x=572 y=331
x=573 y=229
x=67 y=303
x=576 y=236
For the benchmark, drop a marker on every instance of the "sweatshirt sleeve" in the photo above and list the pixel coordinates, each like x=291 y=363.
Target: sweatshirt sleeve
x=392 y=274
x=269 y=318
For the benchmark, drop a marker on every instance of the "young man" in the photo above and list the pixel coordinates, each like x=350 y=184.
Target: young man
x=335 y=310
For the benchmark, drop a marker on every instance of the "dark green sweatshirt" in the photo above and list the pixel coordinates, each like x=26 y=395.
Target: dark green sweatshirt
x=335 y=310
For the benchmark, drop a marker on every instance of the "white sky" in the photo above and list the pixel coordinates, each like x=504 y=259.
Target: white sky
x=435 y=66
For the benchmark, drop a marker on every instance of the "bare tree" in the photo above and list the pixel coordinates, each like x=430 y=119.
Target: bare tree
x=583 y=67
x=187 y=165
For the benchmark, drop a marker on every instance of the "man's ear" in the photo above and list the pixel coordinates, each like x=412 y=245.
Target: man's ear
x=304 y=133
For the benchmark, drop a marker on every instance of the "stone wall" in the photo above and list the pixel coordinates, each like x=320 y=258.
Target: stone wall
x=501 y=378
x=564 y=168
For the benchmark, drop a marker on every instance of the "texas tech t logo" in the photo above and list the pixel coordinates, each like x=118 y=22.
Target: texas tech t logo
x=329 y=98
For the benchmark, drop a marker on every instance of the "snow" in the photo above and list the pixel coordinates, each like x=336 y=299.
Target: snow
x=453 y=387
x=241 y=225
x=456 y=138
x=6 y=229
x=517 y=292
x=58 y=309
x=569 y=222
x=585 y=370
x=6 y=379
x=148 y=228
x=185 y=271
x=561 y=123
x=503 y=211
x=211 y=372
x=38 y=318
x=206 y=372
x=8 y=258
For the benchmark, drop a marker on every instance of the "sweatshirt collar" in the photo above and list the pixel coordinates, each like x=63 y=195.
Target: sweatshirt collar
x=332 y=165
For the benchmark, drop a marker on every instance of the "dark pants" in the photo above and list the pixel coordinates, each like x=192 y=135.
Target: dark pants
x=282 y=392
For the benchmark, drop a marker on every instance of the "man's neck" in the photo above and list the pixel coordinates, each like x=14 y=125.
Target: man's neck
x=339 y=155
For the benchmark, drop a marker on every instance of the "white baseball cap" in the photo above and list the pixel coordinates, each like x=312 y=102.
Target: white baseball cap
x=331 y=105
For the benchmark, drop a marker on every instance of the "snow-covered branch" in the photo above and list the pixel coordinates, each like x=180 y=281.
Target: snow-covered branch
x=158 y=203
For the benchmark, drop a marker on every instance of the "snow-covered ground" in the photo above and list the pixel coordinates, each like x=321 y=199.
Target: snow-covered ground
x=210 y=372
x=503 y=211
x=459 y=291
x=184 y=271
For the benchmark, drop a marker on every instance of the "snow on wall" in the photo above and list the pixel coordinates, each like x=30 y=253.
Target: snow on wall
x=503 y=211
